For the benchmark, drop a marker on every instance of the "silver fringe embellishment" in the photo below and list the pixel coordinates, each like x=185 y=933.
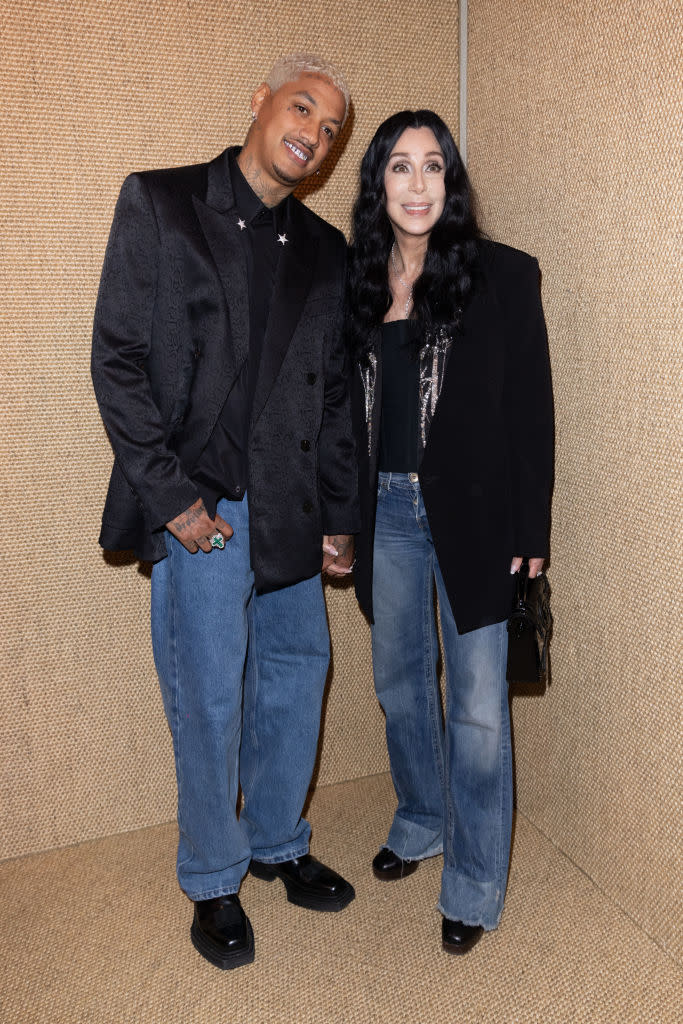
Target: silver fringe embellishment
x=433 y=360
x=369 y=375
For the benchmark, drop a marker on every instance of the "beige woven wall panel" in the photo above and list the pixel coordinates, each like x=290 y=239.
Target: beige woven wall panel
x=91 y=91
x=575 y=148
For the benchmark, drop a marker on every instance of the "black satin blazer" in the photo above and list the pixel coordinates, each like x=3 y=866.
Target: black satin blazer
x=170 y=334
x=487 y=469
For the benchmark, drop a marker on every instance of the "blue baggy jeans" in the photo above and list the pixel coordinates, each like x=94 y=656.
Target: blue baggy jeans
x=452 y=773
x=242 y=677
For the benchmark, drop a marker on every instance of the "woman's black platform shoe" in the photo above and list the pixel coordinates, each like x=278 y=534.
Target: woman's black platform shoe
x=387 y=866
x=459 y=938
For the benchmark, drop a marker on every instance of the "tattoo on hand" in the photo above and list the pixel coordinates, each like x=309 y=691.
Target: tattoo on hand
x=188 y=518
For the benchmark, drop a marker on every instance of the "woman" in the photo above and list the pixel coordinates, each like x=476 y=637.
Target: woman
x=453 y=410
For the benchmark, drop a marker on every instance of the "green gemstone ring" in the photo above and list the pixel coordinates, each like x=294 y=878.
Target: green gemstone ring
x=218 y=541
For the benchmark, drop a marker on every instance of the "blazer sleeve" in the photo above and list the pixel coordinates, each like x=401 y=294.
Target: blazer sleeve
x=529 y=412
x=122 y=334
x=338 y=468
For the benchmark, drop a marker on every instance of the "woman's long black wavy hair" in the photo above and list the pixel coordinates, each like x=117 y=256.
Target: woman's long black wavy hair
x=442 y=290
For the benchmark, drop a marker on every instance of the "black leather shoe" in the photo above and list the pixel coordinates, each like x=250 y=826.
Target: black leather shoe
x=459 y=938
x=387 y=866
x=308 y=882
x=222 y=933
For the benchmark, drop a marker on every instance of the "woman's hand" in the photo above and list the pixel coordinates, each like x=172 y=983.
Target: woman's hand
x=535 y=566
x=337 y=554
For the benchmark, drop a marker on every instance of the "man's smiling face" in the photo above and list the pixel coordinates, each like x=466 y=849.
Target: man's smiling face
x=294 y=129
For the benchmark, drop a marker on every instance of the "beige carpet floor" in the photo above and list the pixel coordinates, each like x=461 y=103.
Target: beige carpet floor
x=99 y=933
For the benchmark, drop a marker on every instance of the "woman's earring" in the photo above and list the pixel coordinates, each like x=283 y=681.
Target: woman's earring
x=253 y=115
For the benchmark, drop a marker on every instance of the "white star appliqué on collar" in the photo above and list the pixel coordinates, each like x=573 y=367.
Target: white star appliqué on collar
x=241 y=224
x=282 y=239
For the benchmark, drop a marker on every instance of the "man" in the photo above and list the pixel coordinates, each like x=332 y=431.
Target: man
x=222 y=380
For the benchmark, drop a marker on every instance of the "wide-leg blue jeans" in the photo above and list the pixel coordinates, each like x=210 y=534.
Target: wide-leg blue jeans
x=452 y=773
x=242 y=678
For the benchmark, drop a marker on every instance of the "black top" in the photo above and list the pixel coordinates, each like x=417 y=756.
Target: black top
x=222 y=467
x=399 y=422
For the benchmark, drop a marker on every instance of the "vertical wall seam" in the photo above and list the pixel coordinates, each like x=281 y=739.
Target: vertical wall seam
x=463 y=80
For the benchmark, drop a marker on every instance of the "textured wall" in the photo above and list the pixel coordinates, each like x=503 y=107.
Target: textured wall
x=575 y=147
x=90 y=91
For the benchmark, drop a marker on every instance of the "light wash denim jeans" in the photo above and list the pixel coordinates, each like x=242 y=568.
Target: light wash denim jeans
x=453 y=779
x=242 y=678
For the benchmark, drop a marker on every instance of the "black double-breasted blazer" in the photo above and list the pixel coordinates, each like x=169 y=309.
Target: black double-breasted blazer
x=170 y=336
x=487 y=468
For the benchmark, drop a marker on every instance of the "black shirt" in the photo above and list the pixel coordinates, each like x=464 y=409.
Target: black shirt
x=222 y=467
x=399 y=420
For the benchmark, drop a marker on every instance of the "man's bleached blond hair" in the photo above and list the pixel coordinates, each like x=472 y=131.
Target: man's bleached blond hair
x=289 y=67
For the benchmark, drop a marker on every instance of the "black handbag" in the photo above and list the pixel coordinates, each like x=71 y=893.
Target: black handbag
x=529 y=628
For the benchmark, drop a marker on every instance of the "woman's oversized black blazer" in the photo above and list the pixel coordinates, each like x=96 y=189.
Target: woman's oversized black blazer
x=487 y=469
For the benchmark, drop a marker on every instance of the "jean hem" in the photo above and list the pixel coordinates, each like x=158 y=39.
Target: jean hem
x=279 y=858
x=471 y=902
x=471 y=922
x=417 y=857
x=212 y=894
x=412 y=842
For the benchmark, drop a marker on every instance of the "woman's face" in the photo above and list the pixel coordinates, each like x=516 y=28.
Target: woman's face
x=414 y=183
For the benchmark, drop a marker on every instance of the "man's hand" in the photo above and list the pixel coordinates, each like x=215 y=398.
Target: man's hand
x=337 y=554
x=194 y=528
x=535 y=566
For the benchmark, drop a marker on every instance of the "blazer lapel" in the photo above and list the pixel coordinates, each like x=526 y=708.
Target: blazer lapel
x=218 y=220
x=225 y=353
x=292 y=284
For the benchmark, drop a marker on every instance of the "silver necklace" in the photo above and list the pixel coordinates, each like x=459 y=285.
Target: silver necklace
x=408 y=287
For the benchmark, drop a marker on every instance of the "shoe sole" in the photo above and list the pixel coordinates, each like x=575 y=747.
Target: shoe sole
x=300 y=896
x=219 y=958
x=457 y=950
